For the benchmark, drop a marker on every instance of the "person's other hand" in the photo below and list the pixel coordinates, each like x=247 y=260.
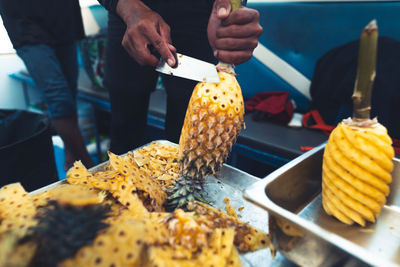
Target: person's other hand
x=145 y=28
x=233 y=36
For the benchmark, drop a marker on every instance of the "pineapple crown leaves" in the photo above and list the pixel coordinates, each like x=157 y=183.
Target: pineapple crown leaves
x=184 y=191
x=63 y=229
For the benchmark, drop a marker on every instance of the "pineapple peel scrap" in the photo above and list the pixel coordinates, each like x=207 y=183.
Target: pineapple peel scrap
x=138 y=232
x=247 y=237
x=16 y=208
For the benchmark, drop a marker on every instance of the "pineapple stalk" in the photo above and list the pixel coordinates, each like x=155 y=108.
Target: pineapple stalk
x=227 y=67
x=235 y=4
x=365 y=72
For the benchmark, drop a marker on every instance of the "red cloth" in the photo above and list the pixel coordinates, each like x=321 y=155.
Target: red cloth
x=396 y=146
x=313 y=120
x=274 y=106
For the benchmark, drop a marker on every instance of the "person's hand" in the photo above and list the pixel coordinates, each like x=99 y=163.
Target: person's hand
x=145 y=28
x=233 y=36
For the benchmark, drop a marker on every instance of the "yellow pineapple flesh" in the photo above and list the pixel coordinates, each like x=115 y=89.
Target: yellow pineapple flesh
x=356 y=171
x=213 y=121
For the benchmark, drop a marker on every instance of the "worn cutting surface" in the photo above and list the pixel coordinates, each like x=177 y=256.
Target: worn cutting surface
x=218 y=189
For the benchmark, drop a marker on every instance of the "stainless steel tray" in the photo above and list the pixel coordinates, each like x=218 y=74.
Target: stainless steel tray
x=304 y=233
x=229 y=183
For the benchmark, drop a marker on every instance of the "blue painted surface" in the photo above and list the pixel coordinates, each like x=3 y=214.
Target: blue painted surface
x=20 y=76
x=254 y=77
x=59 y=158
x=302 y=32
x=100 y=15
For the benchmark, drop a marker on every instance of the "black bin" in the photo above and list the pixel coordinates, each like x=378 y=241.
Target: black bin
x=26 y=149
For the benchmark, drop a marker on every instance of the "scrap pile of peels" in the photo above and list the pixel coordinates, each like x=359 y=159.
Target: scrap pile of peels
x=115 y=217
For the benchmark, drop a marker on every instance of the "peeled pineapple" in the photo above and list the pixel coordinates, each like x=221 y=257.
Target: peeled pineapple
x=357 y=161
x=356 y=172
x=213 y=120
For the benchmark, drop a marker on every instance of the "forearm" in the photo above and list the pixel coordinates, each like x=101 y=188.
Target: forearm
x=124 y=8
x=144 y=28
x=127 y=9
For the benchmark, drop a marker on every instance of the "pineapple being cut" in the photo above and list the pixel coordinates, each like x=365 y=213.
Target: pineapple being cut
x=357 y=160
x=213 y=120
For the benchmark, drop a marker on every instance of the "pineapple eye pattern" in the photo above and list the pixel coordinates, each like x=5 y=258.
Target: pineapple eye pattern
x=208 y=155
x=97 y=261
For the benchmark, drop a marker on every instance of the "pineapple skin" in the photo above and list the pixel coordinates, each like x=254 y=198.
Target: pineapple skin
x=213 y=121
x=356 y=171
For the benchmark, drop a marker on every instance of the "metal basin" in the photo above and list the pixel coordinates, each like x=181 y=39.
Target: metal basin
x=305 y=234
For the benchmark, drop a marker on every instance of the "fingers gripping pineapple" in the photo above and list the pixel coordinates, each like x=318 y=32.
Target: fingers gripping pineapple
x=213 y=120
x=357 y=161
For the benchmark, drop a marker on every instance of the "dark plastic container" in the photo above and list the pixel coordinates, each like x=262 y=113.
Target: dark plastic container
x=26 y=149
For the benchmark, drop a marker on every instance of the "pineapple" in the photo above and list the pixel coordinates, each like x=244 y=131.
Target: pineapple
x=213 y=120
x=357 y=161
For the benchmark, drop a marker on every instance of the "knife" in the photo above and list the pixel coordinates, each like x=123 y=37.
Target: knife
x=190 y=68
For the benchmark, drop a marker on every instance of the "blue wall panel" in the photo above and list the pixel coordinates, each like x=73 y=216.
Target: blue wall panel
x=301 y=32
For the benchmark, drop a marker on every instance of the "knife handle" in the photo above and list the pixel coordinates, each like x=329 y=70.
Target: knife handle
x=155 y=53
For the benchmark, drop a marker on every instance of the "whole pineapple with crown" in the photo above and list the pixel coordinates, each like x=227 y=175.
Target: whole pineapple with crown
x=213 y=120
x=357 y=161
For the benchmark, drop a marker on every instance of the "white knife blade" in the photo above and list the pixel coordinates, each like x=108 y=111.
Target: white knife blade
x=190 y=68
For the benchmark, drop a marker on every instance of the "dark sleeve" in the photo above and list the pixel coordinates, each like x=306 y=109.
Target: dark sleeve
x=110 y=5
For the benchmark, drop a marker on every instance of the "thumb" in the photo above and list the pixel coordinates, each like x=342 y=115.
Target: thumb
x=222 y=8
